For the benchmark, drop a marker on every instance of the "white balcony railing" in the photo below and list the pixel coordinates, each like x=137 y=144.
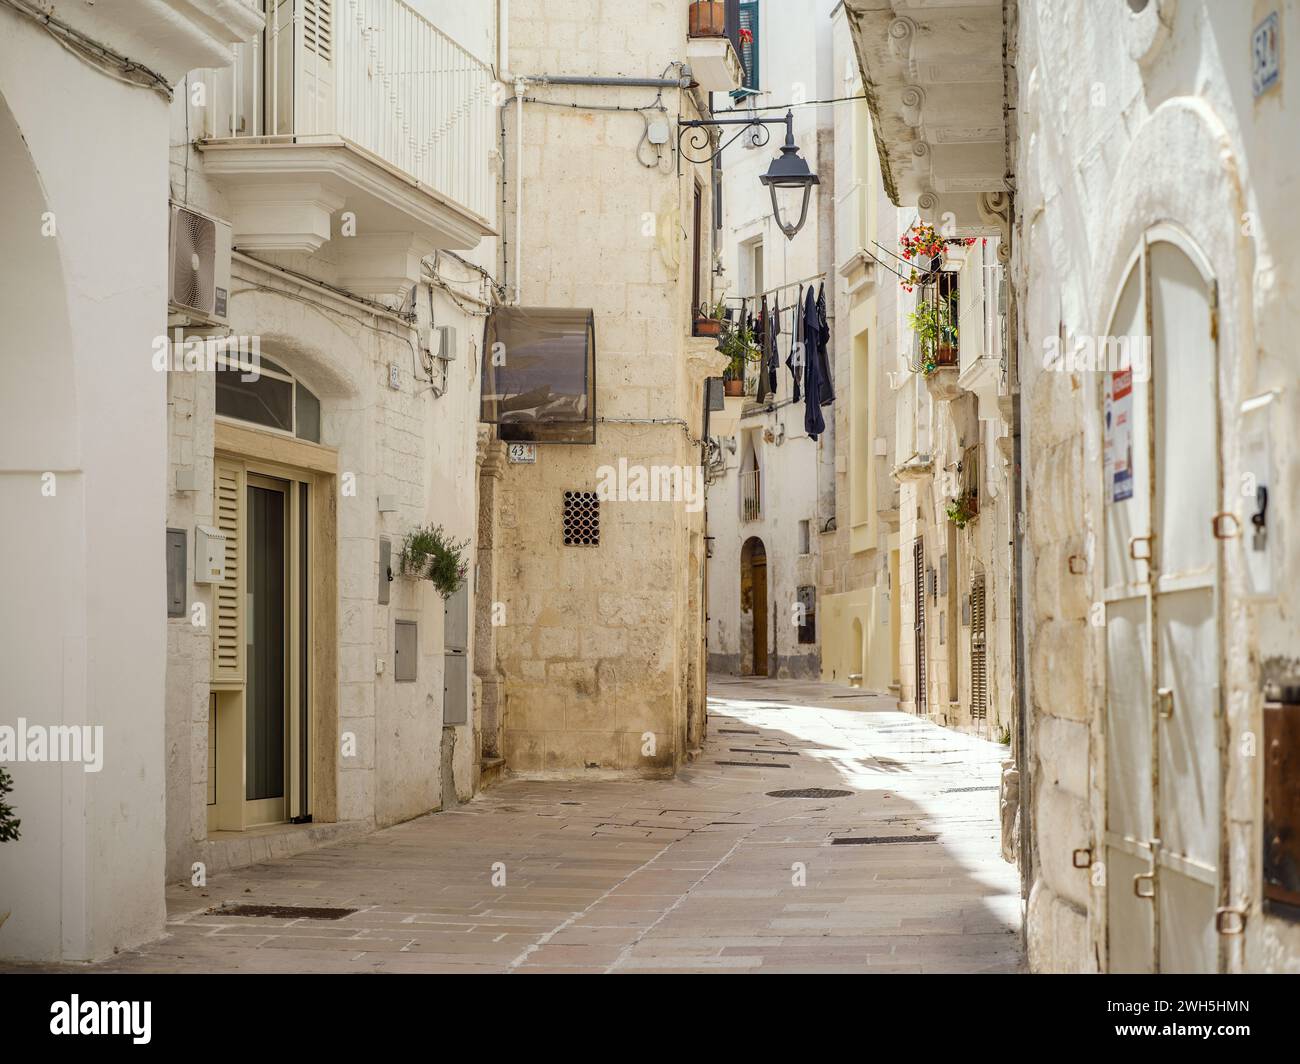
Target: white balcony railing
x=373 y=72
x=751 y=496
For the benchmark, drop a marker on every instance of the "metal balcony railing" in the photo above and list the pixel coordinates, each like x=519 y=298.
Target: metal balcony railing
x=751 y=495
x=372 y=72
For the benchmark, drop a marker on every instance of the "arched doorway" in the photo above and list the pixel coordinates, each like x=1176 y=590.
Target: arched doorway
x=1161 y=576
x=753 y=600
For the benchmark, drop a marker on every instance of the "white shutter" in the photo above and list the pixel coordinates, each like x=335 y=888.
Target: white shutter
x=314 y=65
x=228 y=633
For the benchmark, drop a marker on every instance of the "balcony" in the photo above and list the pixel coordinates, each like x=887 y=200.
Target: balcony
x=751 y=495
x=358 y=118
x=933 y=77
x=713 y=47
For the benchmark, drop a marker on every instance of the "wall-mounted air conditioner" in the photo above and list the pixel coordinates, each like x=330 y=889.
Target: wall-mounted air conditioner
x=198 y=285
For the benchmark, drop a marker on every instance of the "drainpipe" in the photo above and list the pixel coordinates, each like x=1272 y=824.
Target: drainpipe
x=683 y=82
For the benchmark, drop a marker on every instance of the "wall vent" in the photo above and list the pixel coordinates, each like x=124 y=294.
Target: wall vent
x=581 y=519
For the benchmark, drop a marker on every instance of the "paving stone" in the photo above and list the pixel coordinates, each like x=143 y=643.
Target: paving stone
x=697 y=873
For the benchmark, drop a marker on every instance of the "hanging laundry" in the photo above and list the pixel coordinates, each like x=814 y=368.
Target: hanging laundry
x=770 y=356
x=827 y=395
x=791 y=362
x=764 y=326
x=813 y=422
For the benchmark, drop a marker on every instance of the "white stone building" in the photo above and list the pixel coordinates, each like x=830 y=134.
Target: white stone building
x=772 y=488
x=83 y=455
x=1134 y=160
x=331 y=218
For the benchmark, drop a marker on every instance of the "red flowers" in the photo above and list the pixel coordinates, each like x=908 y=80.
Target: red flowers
x=746 y=36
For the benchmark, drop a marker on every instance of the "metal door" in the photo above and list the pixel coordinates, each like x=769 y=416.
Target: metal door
x=1162 y=647
x=1186 y=589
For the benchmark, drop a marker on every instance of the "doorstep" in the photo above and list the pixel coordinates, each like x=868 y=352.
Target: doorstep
x=224 y=850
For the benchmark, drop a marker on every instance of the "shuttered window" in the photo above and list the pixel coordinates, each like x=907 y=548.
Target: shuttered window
x=979 y=684
x=228 y=622
x=749 y=51
x=318 y=27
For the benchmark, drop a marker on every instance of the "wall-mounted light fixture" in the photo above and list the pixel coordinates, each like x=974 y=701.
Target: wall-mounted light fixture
x=787 y=177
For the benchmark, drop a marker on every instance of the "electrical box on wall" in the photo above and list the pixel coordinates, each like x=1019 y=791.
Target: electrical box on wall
x=1262 y=534
x=445 y=342
x=209 y=555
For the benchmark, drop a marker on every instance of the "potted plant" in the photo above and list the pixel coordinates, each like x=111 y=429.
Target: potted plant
x=428 y=554
x=708 y=18
x=737 y=343
x=924 y=321
x=710 y=322
x=932 y=322
x=963 y=509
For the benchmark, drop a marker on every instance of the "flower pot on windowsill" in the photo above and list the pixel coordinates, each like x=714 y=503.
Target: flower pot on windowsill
x=733 y=387
x=707 y=327
x=708 y=18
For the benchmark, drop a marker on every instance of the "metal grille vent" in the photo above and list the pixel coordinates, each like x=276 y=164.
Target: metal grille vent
x=810 y=792
x=877 y=840
x=581 y=519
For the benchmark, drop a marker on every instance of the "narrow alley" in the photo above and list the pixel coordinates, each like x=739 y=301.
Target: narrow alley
x=712 y=870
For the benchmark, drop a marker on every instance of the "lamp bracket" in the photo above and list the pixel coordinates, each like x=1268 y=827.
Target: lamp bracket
x=699 y=146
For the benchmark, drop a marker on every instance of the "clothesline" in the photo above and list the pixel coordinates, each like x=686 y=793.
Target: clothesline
x=779 y=288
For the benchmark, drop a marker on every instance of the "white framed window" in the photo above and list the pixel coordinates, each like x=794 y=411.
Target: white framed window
x=272 y=398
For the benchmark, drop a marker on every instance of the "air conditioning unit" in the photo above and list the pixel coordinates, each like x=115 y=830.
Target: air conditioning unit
x=198 y=287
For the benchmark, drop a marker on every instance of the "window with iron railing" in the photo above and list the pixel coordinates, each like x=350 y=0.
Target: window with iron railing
x=751 y=495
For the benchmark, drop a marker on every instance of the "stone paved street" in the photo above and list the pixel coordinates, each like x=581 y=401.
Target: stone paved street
x=695 y=874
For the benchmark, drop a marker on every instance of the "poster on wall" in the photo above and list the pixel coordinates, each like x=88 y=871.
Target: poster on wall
x=1119 y=435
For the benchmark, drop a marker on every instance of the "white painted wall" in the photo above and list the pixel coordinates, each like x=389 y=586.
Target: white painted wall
x=1123 y=126
x=82 y=636
x=794 y=41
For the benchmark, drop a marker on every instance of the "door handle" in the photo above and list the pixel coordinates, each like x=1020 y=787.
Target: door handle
x=1132 y=548
x=1165 y=702
x=1137 y=885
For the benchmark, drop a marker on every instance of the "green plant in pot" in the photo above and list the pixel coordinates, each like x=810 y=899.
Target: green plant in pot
x=711 y=322
x=962 y=510
x=932 y=322
x=429 y=554
x=737 y=343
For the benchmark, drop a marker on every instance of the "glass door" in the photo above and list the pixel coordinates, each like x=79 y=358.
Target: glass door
x=266 y=637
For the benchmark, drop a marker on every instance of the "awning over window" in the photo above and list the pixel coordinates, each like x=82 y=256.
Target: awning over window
x=539 y=374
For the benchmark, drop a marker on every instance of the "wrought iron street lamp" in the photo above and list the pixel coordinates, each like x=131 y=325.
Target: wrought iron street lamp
x=789 y=170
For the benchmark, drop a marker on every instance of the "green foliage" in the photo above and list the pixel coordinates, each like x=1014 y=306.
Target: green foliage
x=428 y=554
x=962 y=510
x=8 y=822
x=737 y=343
x=932 y=321
x=1004 y=735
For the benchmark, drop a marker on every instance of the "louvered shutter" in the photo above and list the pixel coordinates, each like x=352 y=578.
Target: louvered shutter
x=979 y=689
x=314 y=98
x=749 y=52
x=228 y=622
